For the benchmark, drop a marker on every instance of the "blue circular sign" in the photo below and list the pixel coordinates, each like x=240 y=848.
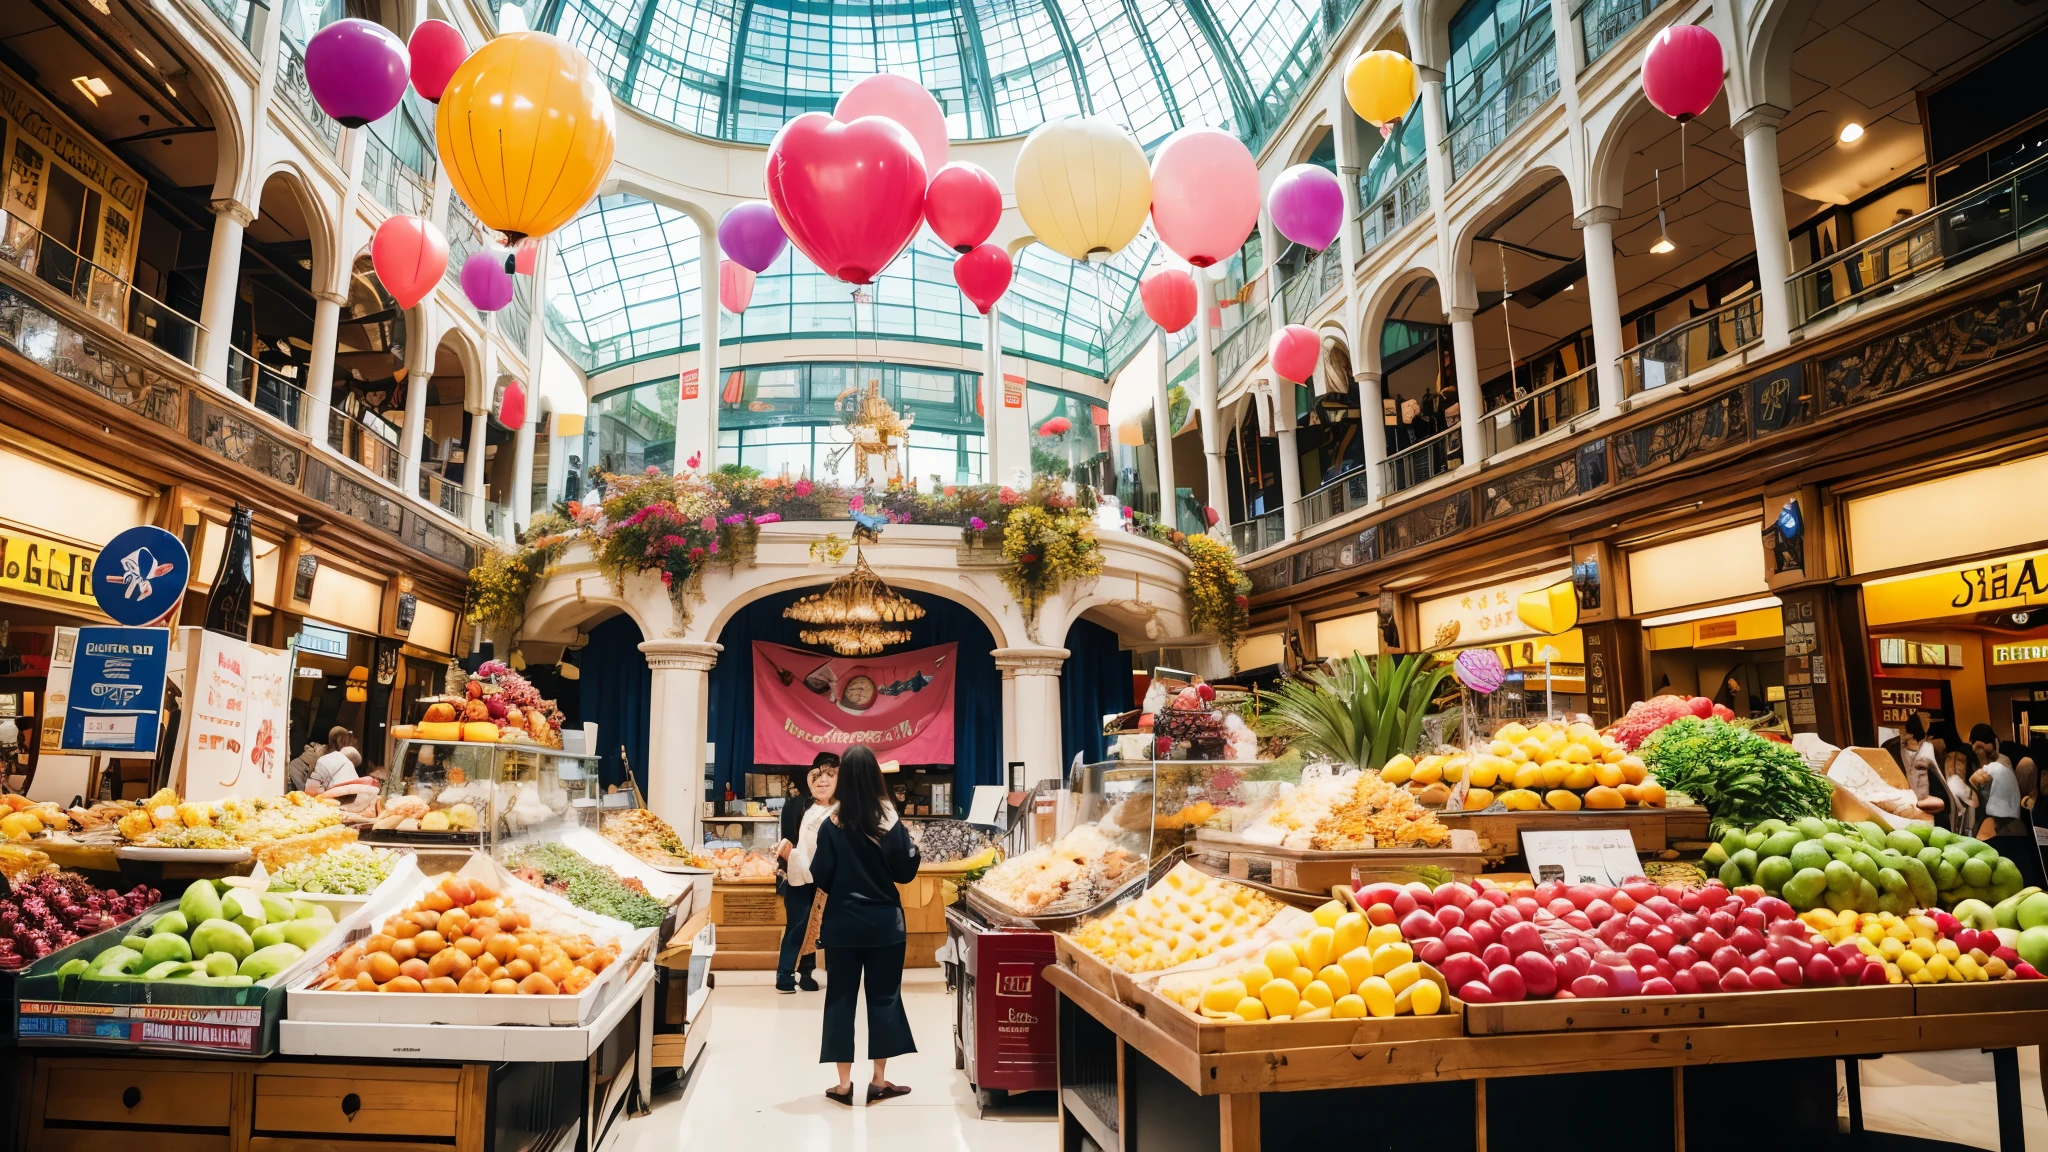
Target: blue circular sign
x=140 y=575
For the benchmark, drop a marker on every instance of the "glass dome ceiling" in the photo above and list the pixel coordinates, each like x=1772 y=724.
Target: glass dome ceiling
x=740 y=70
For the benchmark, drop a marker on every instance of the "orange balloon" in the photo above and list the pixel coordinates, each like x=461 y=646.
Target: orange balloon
x=526 y=129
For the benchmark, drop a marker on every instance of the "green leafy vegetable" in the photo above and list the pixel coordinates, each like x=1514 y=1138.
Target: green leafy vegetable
x=1739 y=777
x=586 y=884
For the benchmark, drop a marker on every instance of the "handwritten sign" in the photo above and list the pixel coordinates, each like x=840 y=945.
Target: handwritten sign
x=235 y=718
x=1588 y=856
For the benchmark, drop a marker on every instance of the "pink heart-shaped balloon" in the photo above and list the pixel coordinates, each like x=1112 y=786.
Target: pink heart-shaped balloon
x=850 y=196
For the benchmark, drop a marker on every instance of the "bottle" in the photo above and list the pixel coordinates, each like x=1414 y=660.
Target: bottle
x=234 y=583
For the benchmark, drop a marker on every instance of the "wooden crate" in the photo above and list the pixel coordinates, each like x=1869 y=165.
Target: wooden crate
x=924 y=904
x=1104 y=978
x=418 y=1103
x=1653 y=829
x=676 y=952
x=920 y=949
x=1980 y=996
x=1784 y=1005
x=1204 y=1035
x=1308 y=870
x=745 y=905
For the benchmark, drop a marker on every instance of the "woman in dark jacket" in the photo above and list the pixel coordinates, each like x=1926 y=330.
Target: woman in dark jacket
x=793 y=967
x=863 y=853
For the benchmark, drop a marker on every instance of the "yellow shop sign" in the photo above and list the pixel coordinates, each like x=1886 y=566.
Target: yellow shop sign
x=2019 y=653
x=2009 y=582
x=43 y=567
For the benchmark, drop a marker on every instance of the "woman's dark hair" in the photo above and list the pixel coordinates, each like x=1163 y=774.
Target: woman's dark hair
x=1968 y=754
x=2012 y=750
x=1915 y=728
x=1983 y=734
x=824 y=758
x=1945 y=731
x=861 y=806
x=2037 y=751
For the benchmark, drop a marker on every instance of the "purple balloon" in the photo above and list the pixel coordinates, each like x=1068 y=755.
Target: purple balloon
x=1307 y=204
x=357 y=70
x=752 y=236
x=485 y=281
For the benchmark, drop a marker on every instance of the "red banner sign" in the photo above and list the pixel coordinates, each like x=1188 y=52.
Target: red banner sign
x=900 y=705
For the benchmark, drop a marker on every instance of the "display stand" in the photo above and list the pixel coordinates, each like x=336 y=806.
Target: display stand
x=1653 y=829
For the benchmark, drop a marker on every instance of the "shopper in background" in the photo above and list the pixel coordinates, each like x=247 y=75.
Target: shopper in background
x=1943 y=735
x=801 y=816
x=1919 y=761
x=341 y=764
x=2005 y=822
x=300 y=769
x=1963 y=805
x=863 y=853
x=1984 y=742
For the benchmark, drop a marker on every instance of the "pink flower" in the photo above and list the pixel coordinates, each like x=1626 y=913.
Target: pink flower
x=736 y=520
x=714 y=547
x=801 y=488
x=1127 y=511
x=667 y=579
x=708 y=524
x=768 y=518
x=696 y=555
x=1008 y=495
x=653 y=470
x=856 y=501
x=977 y=523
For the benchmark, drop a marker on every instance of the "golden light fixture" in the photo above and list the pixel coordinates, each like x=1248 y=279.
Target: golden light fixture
x=855 y=612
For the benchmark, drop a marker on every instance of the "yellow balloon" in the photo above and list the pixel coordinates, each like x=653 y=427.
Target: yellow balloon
x=1083 y=187
x=1382 y=87
x=525 y=129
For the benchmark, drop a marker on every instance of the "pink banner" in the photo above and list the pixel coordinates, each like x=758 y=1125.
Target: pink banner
x=900 y=706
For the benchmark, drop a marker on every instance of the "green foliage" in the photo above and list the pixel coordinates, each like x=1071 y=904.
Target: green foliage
x=1363 y=711
x=1739 y=777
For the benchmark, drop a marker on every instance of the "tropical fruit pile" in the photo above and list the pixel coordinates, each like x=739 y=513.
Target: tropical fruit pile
x=217 y=936
x=1342 y=968
x=1184 y=917
x=1862 y=867
x=462 y=937
x=1563 y=767
x=1925 y=947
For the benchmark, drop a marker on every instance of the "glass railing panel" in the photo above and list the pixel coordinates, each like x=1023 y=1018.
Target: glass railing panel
x=1259 y=533
x=1486 y=127
x=1423 y=461
x=1691 y=347
x=1243 y=344
x=271 y=392
x=1603 y=22
x=97 y=290
x=392 y=182
x=369 y=441
x=447 y=495
x=1407 y=199
x=1343 y=494
x=295 y=92
x=1555 y=405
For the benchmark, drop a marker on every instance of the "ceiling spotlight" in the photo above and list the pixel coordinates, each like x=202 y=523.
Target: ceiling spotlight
x=1663 y=243
x=93 y=87
x=1852 y=132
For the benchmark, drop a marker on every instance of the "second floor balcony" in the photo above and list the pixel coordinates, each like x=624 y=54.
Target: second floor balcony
x=1693 y=346
x=104 y=294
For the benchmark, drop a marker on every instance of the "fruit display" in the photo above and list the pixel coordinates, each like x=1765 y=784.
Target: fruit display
x=1072 y=874
x=1739 y=777
x=415 y=814
x=1862 y=867
x=741 y=866
x=588 y=885
x=463 y=937
x=650 y=838
x=23 y=819
x=948 y=841
x=1342 y=968
x=20 y=862
x=164 y=821
x=493 y=706
x=1349 y=812
x=1185 y=916
x=50 y=908
x=1925 y=947
x=1647 y=716
x=349 y=870
x=1551 y=765
x=218 y=936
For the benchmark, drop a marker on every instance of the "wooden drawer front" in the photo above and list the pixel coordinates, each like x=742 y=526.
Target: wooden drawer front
x=142 y=1095
x=361 y=1106
x=115 y=1140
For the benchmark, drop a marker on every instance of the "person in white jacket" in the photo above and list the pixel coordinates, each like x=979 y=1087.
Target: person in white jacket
x=801 y=816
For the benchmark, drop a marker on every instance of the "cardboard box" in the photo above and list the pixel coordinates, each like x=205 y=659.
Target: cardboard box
x=745 y=905
x=924 y=904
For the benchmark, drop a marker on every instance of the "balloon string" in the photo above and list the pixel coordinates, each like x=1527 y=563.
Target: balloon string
x=1682 y=183
x=1506 y=323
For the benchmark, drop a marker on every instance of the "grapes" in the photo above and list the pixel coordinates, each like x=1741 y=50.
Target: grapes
x=59 y=908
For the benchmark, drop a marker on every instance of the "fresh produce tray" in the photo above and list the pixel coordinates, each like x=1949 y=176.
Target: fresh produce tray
x=1310 y=870
x=547 y=910
x=1653 y=829
x=1001 y=915
x=1779 y=1006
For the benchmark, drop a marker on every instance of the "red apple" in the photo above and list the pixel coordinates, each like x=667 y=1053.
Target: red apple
x=1577 y=919
x=1752 y=917
x=1527 y=906
x=1496 y=954
x=1441 y=897
x=1449 y=916
x=1599 y=911
x=1505 y=915
x=1404 y=903
x=1747 y=939
x=1507 y=983
x=1417 y=924
x=2009 y=954
x=1721 y=920
x=1641 y=954
x=1707 y=942
x=1461 y=940
x=1462 y=968
x=1736 y=980
x=1623 y=903
x=1521 y=938
x=1706 y=976
x=1663 y=906
x=1572 y=964
x=1480 y=908
x=1539 y=976
x=1381 y=893
x=1644 y=914
x=1560 y=907
x=1775 y=910
x=1659 y=987
x=1701 y=707
x=1625 y=940
x=1431 y=950
x=1726 y=959
x=1821 y=971
x=1582 y=895
x=1380 y=914
x=1589 y=987
x=1764 y=979
x=1844 y=952
x=1947 y=922
x=1691 y=901
x=1713 y=894
x=1639 y=890
x=1462 y=894
x=1673 y=892
x=1685 y=924
x=1549 y=890
x=1791 y=973
x=1622 y=981
x=1749 y=894
x=1660 y=940
x=1482 y=932
x=1874 y=974
x=1684 y=983
x=1682 y=956
x=1475 y=992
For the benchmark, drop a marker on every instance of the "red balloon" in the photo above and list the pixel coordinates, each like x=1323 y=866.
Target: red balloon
x=525 y=254
x=963 y=205
x=1294 y=351
x=850 y=195
x=1169 y=296
x=983 y=275
x=735 y=286
x=1682 y=71
x=436 y=50
x=512 y=405
x=409 y=255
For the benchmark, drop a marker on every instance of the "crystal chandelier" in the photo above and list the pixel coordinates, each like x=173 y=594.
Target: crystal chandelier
x=855 y=611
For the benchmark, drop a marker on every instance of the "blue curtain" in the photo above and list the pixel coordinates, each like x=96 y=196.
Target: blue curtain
x=1095 y=680
x=977 y=687
x=615 y=691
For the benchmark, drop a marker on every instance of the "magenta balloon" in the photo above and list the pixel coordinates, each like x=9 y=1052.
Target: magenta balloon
x=485 y=280
x=1307 y=204
x=751 y=235
x=357 y=71
x=963 y=204
x=1682 y=71
x=905 y=101
x=850 y=196
x=437 y=50
x=1205 y=195
x=983 y=275
x=735 y=286
x=1169 y=298
x=1293 y=352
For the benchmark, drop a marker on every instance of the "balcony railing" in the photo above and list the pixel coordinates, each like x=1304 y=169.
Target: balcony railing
x=1556 y=404
x=272 y=392
x=392 y=181
x=1243 y=344
x=1672 y=356
x=1260 y=532
x=370 y=442
x=1422 y=461
x=2013 y=207
x=293 y=90
x=1407 y=199
x=96 y=289
x=1335 y=498
x=1320 y=275
x=1602 y=22
x=445 y=494
x=1482 y=129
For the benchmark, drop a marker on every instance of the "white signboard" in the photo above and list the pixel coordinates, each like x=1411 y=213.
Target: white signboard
x=1594 y=856
x=1481 y=615
x=236 y=700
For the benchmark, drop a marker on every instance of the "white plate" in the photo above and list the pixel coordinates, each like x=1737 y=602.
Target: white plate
x=183 y=855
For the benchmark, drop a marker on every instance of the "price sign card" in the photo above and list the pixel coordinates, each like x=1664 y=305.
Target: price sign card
x=1592 y=856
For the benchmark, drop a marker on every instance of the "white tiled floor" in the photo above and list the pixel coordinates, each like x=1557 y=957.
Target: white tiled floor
x=760 y=1086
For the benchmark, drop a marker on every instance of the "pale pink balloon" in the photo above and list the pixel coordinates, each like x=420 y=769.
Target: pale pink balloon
x=905 y=101
x=735 y=286
x=1205 y=195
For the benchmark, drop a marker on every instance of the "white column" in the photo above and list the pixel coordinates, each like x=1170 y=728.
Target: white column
x=1218 y=495
x=1345 y=130
x=473 y=462
x=320 y=368
x=1465 y=360
x=1603 y=300
x=1006 y=431
x=536 y=349
x=678 y=723
x=223 y=286
x=1290 y=461
x=1031 y=720
x=419 y=379
x=1433 y=133
x=522 y=475
x=1162 y=430
x=1372 y=412
x=1759 y=131
x=558 y=460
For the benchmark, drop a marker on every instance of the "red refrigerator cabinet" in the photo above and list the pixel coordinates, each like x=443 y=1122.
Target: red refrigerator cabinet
x=1003 y=1026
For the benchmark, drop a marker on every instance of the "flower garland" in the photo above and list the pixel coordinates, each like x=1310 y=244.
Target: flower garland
x=1219 y=593
x=501 y=581
x=1045 y=547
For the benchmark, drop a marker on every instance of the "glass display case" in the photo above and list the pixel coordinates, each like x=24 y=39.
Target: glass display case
x=1178 y=797
x=472 y=794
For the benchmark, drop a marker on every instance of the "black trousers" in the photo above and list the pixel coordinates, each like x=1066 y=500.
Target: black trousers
x=796 y=909
x=881 y=968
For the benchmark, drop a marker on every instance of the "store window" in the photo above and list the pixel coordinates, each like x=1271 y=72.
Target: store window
x=1491 y=41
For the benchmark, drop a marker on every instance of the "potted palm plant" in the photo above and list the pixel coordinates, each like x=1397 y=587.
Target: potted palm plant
x=1363 y=711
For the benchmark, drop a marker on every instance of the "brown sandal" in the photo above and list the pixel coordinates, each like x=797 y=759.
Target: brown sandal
x=838 y=1097
x=886 y=1091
